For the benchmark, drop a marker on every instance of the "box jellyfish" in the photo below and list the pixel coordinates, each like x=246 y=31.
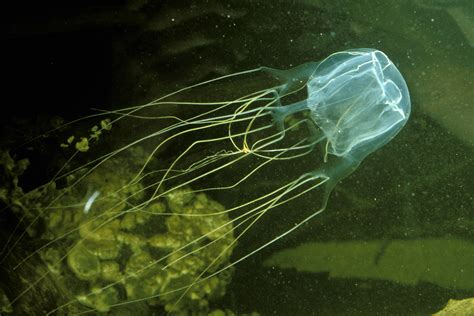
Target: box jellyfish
x=140 y=222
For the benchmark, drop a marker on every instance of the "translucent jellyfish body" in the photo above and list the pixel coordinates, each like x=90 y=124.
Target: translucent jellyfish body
x=138 y=210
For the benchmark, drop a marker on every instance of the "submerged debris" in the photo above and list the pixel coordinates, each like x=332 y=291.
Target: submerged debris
x=446 y=262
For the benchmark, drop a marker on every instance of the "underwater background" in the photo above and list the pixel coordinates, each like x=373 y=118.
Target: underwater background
x=397 y=237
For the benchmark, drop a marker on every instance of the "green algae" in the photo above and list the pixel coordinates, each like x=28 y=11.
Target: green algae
x=108 y=256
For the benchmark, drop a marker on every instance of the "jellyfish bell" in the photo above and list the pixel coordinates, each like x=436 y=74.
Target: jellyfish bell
x=157 y=184
x=358 y=99
x=360 y=103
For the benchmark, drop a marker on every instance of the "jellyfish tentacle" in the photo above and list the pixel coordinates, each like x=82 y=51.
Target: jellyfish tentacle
x=100 y=160
x=246 y=216
x=276 y=201
x=189 y=148
x=239 y=111
x=137 y=207
x=214 y=170
x=252 y=121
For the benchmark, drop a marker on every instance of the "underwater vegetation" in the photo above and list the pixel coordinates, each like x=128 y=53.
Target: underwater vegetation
x=132 y=218
x=97 y=249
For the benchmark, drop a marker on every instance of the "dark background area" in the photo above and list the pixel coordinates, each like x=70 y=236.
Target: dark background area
x=61 y=59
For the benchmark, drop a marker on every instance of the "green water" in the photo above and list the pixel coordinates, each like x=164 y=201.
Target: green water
x=417 y=189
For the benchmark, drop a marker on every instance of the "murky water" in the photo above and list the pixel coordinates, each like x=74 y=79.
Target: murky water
x=397 y=235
